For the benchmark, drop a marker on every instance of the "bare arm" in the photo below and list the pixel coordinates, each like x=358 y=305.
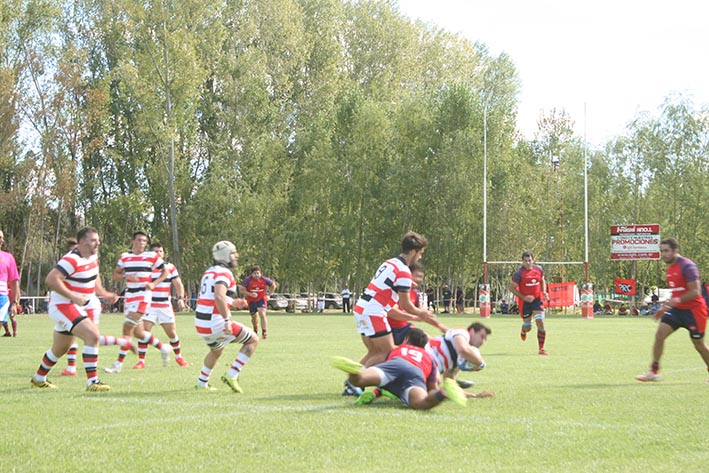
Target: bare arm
x=513 y=289
x=15 y=288
x=694 y=289
x=118 y=274
x=55 y=282
x=164 y=273
x=111 y=297
x=221 y=302
x=467 y=352
x=179 y=292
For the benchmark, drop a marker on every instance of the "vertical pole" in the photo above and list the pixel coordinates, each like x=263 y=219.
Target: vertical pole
x=585 y=190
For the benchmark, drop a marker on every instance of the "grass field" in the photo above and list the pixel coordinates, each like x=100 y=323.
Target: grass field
x=576 y=410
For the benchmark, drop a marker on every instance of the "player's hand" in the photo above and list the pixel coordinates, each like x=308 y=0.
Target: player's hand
x=79 y=300
x=181 y=304
x=111 y=298
x=659 y=313
x=227 y=327
x=132 y=278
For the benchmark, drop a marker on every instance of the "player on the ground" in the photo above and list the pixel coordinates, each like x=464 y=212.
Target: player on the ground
x=408 y=373
x=160 y=310
x=687 y=308
x=257 y=288
x=136 y=268
x=9 y=286
x=213 y=318
x=529 y=285
x=74 y=282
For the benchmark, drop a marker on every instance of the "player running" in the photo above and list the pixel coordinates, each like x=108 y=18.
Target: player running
x=74 y=283
x=687 y=308
x=213 y=319
x=529 y=285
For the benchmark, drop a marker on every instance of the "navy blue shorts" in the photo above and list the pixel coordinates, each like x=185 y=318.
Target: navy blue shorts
x=529 y=307
x=402 y=376
x=254 y=306
x=694 y=322
x=400 y=333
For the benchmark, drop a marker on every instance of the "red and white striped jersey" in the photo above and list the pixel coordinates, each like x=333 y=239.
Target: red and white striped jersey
x=161 y=292
x=142 y=266
x=392 y=277
x=442 y=349
x=79 y=276
x=217 y=274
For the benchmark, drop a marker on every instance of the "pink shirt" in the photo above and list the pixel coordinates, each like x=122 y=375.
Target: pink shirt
x=8 y=271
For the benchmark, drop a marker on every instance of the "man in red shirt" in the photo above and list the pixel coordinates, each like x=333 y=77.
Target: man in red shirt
x=529 y=285
x=257 y=288
x=687 y=308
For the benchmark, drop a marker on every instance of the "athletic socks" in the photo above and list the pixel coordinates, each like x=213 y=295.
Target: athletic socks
x=204 y=377
x=238 y=365
x=48 y=362
x=541 y=338
x=89 y=356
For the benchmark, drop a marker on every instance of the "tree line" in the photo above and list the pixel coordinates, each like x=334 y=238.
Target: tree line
x=313 y=134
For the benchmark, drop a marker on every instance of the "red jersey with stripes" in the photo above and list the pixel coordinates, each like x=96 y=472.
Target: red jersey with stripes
x=442 y=348
x=417 y=357
x=161 y=292
x=8 y=271
x=79 y=276
x=392 y=277
x=679 y=275
x=251 y=284
x=529 y=281
x=217 y=274
x=396 y=323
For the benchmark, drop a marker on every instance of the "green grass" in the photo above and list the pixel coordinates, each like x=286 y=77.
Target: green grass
x=576 y=410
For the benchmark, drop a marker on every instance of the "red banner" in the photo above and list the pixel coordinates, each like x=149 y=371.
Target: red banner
x=625 y=287
x=561 y=294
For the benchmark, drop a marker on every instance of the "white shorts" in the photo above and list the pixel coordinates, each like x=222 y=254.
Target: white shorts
x=66 y=316
x=137 y=303
x=372 y=325
x=160 y=315
x=93 y=309
x=219 y=339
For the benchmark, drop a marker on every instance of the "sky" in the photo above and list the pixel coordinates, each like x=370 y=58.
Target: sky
x=604 y=61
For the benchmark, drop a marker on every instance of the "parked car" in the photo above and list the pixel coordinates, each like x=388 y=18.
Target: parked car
x=333 y=300
x=277 y=302
x=294 y=302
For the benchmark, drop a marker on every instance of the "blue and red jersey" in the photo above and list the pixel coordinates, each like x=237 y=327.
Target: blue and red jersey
x=418 y=357
x=529 y=281
x=258 y=286
x=679 y=275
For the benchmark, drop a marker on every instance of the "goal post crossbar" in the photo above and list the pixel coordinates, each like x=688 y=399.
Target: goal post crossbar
x=536 y=262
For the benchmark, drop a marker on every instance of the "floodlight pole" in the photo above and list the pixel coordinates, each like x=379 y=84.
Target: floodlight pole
x=585 y=190
x=484 y=185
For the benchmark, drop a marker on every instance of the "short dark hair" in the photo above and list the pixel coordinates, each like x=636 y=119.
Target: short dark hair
x=140 y=232
x=527 y=254
x=255 y=268
x=413 y=241
x=671 y=242
x=416 y=337
x=477 y=326
x=85 y=231
x=417 y=267
x=155 y=245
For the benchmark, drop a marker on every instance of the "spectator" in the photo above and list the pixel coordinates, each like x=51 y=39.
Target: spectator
x=447 y=295
x=459 y=301
x=622 y=310
x=504 y=307
x=597 y=309
x=431 y=299
x=346 y=299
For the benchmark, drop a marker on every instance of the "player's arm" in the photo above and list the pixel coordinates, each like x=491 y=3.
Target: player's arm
x=544 y=289
x=16 y=294
x=397 y=314
x=118 y=274
x=55 y=282
x=470 y=353
x=406 y=305
x=694 y=289
x=109 y=296
x=272 y=288
x=164 y=273
x=179 y=292
x=513 y=289
x=222 y=303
